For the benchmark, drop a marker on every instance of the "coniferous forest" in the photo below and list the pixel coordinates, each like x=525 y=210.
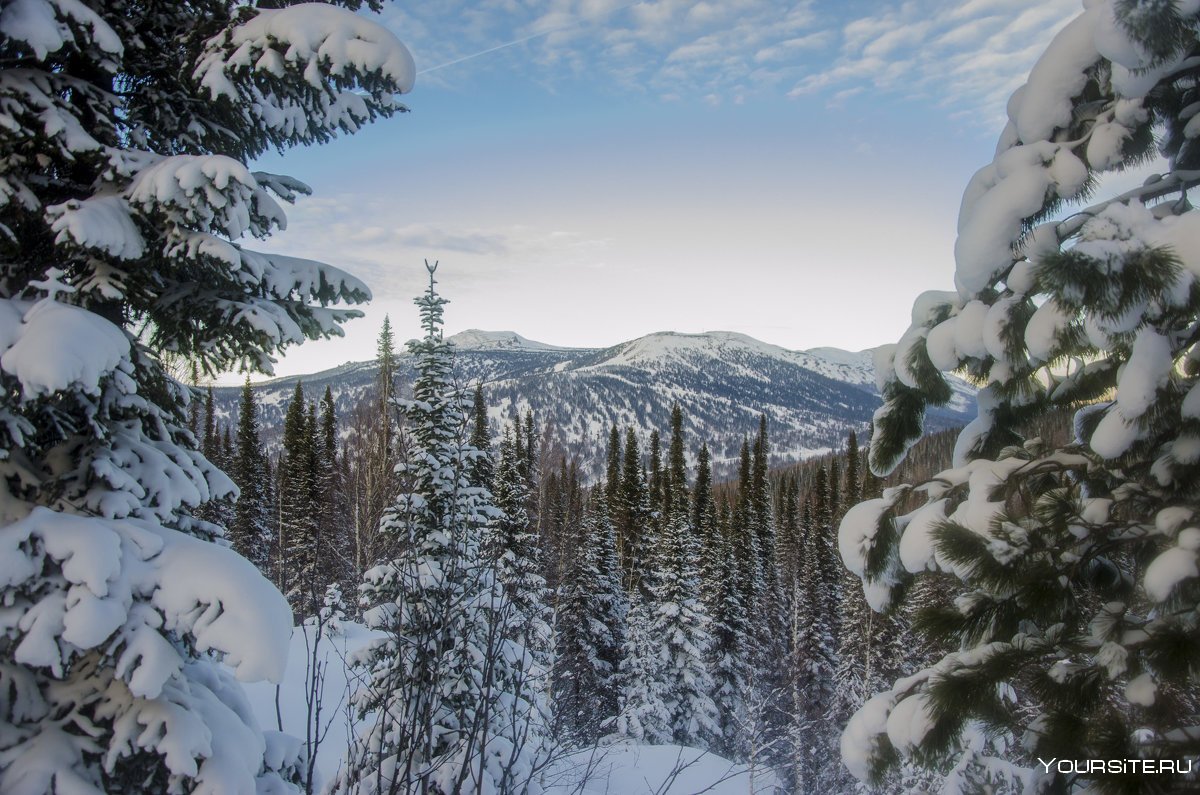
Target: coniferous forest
x=1008 y=607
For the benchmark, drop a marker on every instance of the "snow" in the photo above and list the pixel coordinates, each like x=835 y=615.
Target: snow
x=623 y=768
x=856 y=533
x=909 y=722
x=858 y=740
x=940 y=345
x=968 y=330
x=312 y=36
x=1169 y=520
x=916 y=545
x=1147 y=371
x=1114 y=434
x=1166 y=571
x=45 y=26
x=200 y=585
x=1058 y=75
x=476 y=339
x=1043 y=330
x=996 y=200
x=206 y=191
x=1142 y=690
x=648 y=769
x=59 y=346
x=100 y=222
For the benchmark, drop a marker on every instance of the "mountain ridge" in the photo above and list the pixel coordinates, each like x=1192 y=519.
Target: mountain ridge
x=722 y=380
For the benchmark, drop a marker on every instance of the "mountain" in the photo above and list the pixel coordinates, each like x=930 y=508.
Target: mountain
x=722 y=380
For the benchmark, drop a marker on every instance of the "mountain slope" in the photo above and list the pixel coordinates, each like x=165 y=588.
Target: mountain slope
x=722 y=380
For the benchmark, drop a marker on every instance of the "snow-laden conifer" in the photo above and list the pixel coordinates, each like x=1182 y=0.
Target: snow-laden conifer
x=1074 y=567
x=452 y=695
x=126 y=203
x=590 y=635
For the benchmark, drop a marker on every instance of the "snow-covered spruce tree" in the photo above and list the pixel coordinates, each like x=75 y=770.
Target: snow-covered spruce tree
x=452 y=698
x=512 y=548
x=1075 y=621
x=727 y=657
x=644 y=714
x=679 y=624
x=251 y=531
x=631 y=515
x=590 y=632
x=124 y=198
x=335 y=559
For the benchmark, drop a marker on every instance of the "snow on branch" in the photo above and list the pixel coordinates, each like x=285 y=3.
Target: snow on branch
x=58 y=346
x=298 y=71
x=47 y=26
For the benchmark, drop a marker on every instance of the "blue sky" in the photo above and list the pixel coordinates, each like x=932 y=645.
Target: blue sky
x=588 y=171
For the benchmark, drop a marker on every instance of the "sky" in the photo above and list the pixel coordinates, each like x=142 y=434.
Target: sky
x=590 y=171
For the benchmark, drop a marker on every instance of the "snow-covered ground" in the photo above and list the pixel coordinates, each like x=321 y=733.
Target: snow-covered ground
x=620 y=769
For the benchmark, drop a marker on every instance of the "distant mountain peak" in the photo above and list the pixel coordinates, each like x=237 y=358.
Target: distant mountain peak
x=474 y=339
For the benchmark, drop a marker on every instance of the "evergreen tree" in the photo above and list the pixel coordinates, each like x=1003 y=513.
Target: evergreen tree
x=631 y=513
x=759 y=502
x=512 y=546
x=591 y=634
x=679 y=626
x=368 y=462
x=727 y=655
x=815 y=606
x=297 y=574
x=387 y=366
x=644 y=714
x=126 y=204
x=250 y=530
x=612 y=470
x=1066 y=595
x=212 y=438
x=336 y=564
x=675 y=488
x=655 y=482
x=854 y=480
x=452 y=696
x=194 y=402
x=745 y=542
x=481 y=440
x=703 y=513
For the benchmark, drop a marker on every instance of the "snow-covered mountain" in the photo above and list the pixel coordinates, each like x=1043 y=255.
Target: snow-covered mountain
x=722 y=380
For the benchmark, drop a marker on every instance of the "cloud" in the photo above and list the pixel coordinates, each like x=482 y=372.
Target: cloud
x=968 y=57
x=372 y=240
x=633 y=46
x=706 y=50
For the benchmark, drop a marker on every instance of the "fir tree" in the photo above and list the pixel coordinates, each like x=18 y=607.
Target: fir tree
x=297 y=574
x=612 y=470
x=336 y=565
x=512 y=545
x=250 y=530
x=385 y=361
x=631 y=513
x=126 y=206
x=481 y=440
x=727 y=656
x=854 y=480
x=590 y=636
x=453 y=696
x=655 y=482
x=1066 y=595
x=680 y=626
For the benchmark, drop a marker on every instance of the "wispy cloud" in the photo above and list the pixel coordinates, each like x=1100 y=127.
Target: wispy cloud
x=372 y=240
x=968 y=56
